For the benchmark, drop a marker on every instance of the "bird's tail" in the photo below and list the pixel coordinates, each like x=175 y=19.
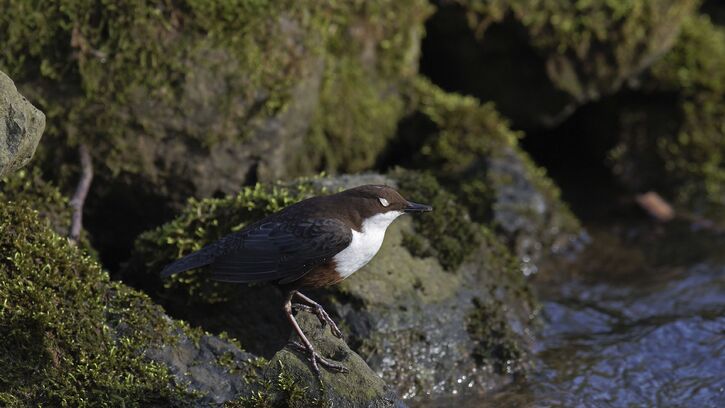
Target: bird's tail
x=192 y=261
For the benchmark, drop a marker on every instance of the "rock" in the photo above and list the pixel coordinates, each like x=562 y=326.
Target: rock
x=360 y=387
x=472 y=150
x=191 y=101
x=539 y=61
x=442 y=308
x=21 y=126
x=73 y=337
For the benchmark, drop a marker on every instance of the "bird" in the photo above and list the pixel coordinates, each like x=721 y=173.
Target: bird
x=314 y=243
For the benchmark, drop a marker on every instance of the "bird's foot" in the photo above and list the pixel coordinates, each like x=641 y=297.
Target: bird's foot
x=322 y=315
x=317 y=360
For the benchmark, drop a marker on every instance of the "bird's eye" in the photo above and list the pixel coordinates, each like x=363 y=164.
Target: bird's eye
x=384 y=202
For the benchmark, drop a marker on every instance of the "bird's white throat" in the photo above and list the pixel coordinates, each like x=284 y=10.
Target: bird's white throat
x=365 y=244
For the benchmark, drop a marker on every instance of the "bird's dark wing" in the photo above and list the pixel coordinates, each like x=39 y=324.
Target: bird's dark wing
x=280 y=251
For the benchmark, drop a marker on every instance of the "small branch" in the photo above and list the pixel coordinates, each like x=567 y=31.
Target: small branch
x=79 y=197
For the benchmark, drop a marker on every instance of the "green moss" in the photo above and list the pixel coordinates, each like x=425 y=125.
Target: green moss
x=283 y=391
x=70 y=337
x=101 y=54
x=448 y=229
x=608 y=38
x=28 y=185
x=496 y=344
x=693 y=156
x=351 y=139
x=580 y=24
x=109 y=74
x=463 y=132
x=374 y=49
x=472 y=150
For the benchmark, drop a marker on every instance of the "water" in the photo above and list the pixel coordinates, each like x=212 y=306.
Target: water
x=635 y=322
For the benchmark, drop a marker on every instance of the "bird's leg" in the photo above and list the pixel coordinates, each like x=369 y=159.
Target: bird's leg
x=306 y=346
x=311 y=306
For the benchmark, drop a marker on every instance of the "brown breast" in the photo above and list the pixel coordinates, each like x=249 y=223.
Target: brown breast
x=321 y=276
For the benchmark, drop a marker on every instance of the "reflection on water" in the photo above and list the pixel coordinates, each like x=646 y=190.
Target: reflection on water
x=653 y=336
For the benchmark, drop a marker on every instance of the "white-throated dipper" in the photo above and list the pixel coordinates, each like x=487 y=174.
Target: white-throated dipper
x=311 y=244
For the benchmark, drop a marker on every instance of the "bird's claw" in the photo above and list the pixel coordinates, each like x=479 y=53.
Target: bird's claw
x=322 y=315
x=317 y=360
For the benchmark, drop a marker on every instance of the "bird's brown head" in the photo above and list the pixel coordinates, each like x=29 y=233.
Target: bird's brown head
x=379 y=199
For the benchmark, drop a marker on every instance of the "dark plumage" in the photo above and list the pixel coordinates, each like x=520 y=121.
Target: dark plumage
x=314 y=243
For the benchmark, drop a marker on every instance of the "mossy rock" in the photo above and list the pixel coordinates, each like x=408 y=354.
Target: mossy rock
x=58 y=324
x=540 y=60
x=472 y=150
x=196 y=97
x=408 y=313
x=73 y=338
x=21 y=126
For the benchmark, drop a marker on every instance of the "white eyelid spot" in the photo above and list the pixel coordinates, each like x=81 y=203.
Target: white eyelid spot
x=384 y=202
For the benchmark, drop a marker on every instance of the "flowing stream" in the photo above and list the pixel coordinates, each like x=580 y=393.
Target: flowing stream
x=638 y=320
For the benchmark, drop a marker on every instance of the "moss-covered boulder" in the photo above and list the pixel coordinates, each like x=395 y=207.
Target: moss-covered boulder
x=442 y=308
x=21 y=126
x=72 y=338
x=473 y=151
x=540 y=60
x=196 y=97
x=59 y=314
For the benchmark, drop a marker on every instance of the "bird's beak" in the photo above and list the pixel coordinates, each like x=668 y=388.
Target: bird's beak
x=415 y=208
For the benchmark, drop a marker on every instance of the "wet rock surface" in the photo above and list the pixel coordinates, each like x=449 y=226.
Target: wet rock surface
x=21 y=126
x=637 y=321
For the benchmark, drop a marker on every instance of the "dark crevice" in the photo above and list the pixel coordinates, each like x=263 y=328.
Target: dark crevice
x=116 y=213
x=499 y=66
x=411 y=134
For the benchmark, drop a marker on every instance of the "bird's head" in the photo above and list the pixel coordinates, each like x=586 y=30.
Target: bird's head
x=382 y=202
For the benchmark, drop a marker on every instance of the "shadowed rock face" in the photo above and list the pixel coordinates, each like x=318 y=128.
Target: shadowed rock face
x=21 y=126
